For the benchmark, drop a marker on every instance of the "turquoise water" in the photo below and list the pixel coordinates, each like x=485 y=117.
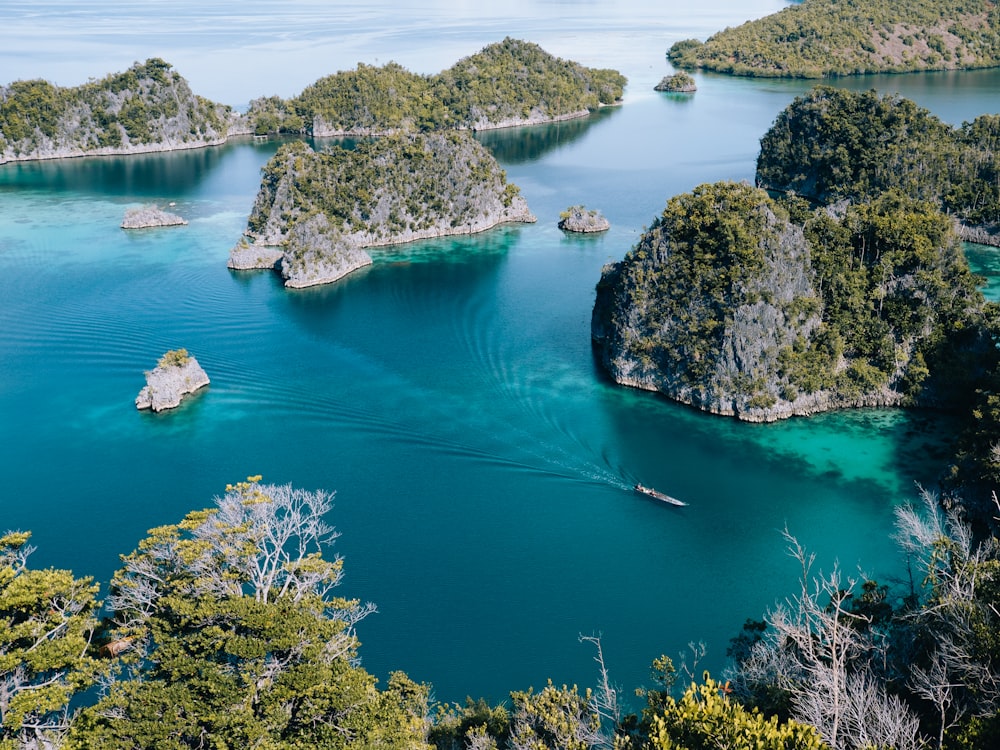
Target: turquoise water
x=448 y=393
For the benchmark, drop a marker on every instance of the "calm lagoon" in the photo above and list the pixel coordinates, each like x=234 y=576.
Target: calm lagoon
x=448 y=393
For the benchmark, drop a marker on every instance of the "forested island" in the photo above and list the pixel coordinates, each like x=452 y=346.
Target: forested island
x=830 y=145
x=322 y=208
x=742 y=305
x=149 y=107
x=820 y=38
x=509 y=83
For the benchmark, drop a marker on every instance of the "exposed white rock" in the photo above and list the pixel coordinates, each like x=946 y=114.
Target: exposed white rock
x=176 y=375
x=246 y=256
x=579 y=219
x=150 y=216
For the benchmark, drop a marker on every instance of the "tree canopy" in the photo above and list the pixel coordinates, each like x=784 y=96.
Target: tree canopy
x=820 y=38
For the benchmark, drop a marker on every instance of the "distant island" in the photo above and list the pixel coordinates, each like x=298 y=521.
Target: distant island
x=145 y=217
x=743 y=305
x=176 y=374
x=821 y=38
x=149 y=107
x=678 y=83
x=315 y=212
x=509 y=83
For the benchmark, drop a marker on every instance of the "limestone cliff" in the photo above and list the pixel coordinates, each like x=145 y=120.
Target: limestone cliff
x=392 y=190
x=729 y=305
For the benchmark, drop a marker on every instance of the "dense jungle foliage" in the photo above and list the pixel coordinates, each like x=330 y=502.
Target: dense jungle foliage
x=508 y=81
x=820 y=38
x=386 y=189
x=831 y=144
x=838 y=147
x=147 y=104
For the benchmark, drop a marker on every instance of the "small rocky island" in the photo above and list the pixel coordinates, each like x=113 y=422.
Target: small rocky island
x=580 y=219
x=678 y=83
x=176 y=374
x=315 y=212
x=144 y=217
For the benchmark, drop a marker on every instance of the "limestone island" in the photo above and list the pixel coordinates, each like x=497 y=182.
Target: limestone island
x=741 y=304
x=151 y=108
x=316 y=212
x=506 y=84
x=176 y=374
x=144 y=217
x=832 y=145
x=580 y=219
x=678 y=83
x=148 y=108
x=826 y=38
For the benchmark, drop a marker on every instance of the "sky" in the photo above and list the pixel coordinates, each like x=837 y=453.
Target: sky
x=232 y=52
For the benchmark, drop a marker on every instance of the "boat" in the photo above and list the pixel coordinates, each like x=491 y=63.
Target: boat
x=657 y=495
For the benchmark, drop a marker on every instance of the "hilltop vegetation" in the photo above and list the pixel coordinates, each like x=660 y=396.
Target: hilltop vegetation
x=510 y=82
x=741 y=305
x=148 y=107
x=387 y=190
x=832 y=144
x=819 y=38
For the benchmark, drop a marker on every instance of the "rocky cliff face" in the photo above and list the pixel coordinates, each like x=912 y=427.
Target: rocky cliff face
x=396 y=189
x=176 y=375
x=148 y=108
x=729 y=305
x=705 y=325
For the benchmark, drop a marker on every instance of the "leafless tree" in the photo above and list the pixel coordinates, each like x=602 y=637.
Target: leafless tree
x=821 y=652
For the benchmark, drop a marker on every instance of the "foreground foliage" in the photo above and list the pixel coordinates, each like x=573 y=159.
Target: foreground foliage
x=820 y=38
x=233 y=638
x=47 y=621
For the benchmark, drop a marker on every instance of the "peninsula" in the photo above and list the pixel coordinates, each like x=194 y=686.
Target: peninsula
x=822 y=38
x=148 y=108
x=176 y=374
x=506 y=84
x=315 y=212
x=742 y=305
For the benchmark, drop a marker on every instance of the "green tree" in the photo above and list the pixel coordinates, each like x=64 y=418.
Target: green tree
x=238 y=640
x=46 y=626
x=705 y=718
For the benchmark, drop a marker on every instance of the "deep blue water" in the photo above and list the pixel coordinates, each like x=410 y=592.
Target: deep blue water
x=448 y=393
